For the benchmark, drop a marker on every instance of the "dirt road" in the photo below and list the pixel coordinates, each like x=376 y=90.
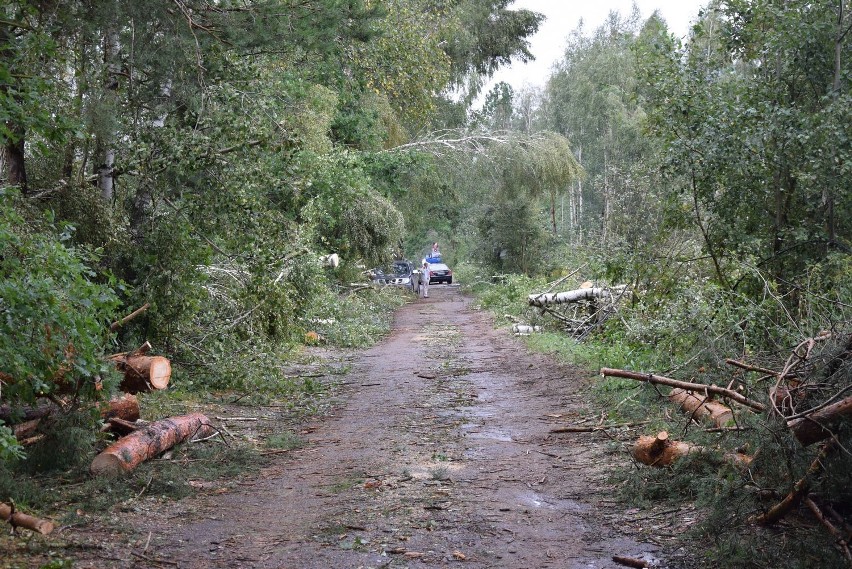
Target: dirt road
x=439 y=455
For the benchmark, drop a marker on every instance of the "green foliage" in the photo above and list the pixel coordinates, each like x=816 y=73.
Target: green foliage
x=68 y=443
x=55 y=312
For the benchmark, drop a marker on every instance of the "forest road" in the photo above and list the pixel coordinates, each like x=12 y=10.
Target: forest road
x=439 y=455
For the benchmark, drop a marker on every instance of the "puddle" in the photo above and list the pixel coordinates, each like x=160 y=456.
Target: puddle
x=477 y=431
x=532 y=499
x=490 y=435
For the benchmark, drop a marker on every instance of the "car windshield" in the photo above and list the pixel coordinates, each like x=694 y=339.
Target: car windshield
x=438 y=267
x=396 y=269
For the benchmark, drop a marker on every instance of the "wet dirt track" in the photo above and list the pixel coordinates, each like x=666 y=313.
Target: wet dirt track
x=438 y=456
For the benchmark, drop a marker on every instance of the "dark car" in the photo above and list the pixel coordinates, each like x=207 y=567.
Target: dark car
x=398 y=273
x=440 y=273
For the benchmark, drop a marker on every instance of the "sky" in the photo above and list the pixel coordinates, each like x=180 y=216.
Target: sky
x=563 y=16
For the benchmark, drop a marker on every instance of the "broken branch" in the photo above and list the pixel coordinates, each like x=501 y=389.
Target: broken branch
x=651 y=378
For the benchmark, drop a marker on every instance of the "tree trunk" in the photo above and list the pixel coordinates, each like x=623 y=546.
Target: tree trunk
x=701 y=407
x=127 y=453
x=142 y=372
x=816 y=426
x=18 y=519
x=543 y=299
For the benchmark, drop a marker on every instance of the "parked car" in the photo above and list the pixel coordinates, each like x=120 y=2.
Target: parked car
x=398 y=273
x=440 y=273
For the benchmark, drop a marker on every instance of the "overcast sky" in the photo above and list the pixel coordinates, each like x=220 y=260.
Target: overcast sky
x=563 y=16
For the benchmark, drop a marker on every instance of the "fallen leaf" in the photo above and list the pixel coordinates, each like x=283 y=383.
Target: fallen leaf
x=459 y=555
x=412 y=554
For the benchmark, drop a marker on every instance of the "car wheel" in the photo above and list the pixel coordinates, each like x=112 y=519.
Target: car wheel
x=449 y=281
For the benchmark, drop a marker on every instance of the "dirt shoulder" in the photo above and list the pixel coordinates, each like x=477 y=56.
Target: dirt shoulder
x=439 y=453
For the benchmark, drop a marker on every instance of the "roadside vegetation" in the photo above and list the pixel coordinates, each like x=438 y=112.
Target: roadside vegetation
x=205 y=162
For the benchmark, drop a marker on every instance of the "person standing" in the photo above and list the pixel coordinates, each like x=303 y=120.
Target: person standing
x=425 y=275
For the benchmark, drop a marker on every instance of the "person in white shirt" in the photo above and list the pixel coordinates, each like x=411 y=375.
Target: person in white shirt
x=425 y=275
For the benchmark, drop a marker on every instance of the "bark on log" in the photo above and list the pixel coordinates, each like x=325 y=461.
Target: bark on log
x=659 y=450
x=143 y=373
x=127 y=453
x=699 y=406
x=125 y=407
x=7 y=412
x=816 y=426
x=18 y=519
x=699 y=387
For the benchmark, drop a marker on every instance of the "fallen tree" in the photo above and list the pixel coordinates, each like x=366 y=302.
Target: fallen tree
x=698 y=387
x=18 y=520
x=127 y=453
x=546 y=298
x=126 y=407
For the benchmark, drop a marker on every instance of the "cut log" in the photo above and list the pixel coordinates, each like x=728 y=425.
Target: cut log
x=659 y=450
x=699 y=387
x=143 y=372
x=26 y=429
x=816 y=426
x=26 y=413
x=700 y=407
x=125 y=407
x=17 y=519
x=543 y=299
x=126 y=454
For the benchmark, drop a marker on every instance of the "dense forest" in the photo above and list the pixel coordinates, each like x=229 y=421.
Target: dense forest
x=202 y=158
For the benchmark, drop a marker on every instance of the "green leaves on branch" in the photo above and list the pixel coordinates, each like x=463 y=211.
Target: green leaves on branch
x=54 y=310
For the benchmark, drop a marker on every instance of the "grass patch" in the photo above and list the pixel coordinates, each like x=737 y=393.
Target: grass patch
x=287 y=440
